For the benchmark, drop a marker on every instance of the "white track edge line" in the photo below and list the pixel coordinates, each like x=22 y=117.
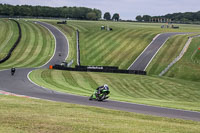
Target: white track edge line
x=156 y=54
x=145 y=49
x=50 y=89
x=63 y=35
x=54 y=48
x=160 y=48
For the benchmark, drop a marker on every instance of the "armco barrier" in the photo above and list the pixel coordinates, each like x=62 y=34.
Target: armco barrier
x=15 y=44
x=106 y=69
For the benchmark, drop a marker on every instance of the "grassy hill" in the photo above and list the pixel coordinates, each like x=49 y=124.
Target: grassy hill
x=167 y=54
x=132 y=37
x=23 y=115
x=188 y=67
x=119 y=47
x=9 y=34
x=157 y=91
x=35 y=48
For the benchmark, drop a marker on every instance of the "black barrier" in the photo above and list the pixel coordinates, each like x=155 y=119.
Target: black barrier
x=106 y=69
x=15 y=44
x=97 y=67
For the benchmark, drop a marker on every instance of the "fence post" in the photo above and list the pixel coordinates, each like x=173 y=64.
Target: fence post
x=78 y=48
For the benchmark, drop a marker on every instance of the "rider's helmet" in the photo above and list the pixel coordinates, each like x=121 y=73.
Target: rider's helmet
x=106 y=86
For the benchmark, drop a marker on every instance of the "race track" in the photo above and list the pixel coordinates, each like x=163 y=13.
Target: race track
x=20 y=84
x=143 y=60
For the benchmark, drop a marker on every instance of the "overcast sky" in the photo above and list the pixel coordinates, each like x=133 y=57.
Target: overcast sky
x=128 y=9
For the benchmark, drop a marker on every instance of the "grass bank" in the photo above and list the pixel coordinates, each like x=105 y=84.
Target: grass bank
x=188 y=67
x=35 y=48
x=119 y=47
x=9 y=33
x=165 y=92
x=170 y=50
x=23 y=115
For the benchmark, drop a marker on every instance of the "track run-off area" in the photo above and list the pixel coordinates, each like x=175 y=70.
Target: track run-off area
x=20 y=83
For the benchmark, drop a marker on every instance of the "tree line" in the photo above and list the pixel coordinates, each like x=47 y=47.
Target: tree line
x=81 y=13
x=187 y=17
x=107 y=16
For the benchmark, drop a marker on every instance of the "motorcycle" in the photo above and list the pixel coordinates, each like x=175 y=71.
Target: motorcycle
x=12 y=71
x=100 y=97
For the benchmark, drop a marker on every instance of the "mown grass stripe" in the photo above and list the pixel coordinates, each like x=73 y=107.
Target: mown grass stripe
x=128 y=57
x=31 y=58
x=7 y=33
x=109 y=47
x=27 y=47
x=8 y=38
x=125 y=44
x=47 y=48
x=70 y=79
x=99 y=50
x=79 y=27
x=12 y=61
x=101 y=43
x=14 y=37
x=123 y=52
x=34 y=49
x=5 y=47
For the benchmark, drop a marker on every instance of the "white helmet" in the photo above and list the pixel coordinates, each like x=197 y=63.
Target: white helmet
x=105 y=85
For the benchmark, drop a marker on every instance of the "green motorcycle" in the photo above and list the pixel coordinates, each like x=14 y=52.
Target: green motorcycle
x=100 y=97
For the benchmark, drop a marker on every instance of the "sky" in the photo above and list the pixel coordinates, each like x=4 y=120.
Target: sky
x=128 y=9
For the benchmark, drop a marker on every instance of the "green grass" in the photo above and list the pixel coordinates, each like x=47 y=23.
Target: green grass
x=35 y=48
x=165 y=92
x=188 y=67
x=23 y=115
x=9 y=33
x=167 y=54
x=119 y=47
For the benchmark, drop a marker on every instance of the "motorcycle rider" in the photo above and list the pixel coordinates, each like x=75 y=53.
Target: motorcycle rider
x=100 y=88
x=12 y=71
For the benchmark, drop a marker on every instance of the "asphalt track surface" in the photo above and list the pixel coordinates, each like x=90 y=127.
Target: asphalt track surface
x=21 y=85
x=143 y=60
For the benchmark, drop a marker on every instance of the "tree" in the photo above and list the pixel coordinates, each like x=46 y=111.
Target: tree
x=98 y=13
x=91 y=16
x=82 y=13
x=146 y=18
x=115 y=17
x=139 y=18
x=107 y=16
